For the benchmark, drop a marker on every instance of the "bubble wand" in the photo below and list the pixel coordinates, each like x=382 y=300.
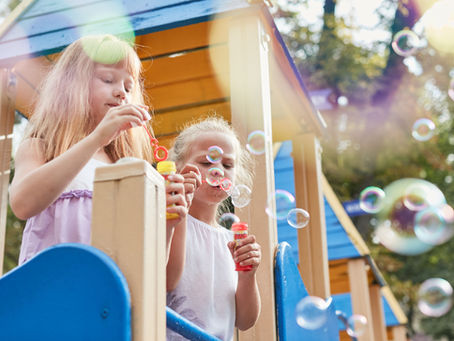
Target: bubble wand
x=156 y=147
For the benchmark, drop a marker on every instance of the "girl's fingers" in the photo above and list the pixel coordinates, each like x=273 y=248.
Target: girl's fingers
x=131 y=110
x=177 y=199
x=182 y=211
x=176 y=178
x=252 y=257
x=175 y=188
x=250 y=239
x=190 y=168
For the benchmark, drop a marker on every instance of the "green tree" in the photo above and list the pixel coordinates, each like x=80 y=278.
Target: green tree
x=368 y=140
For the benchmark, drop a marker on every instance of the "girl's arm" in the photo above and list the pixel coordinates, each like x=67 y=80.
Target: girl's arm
x=37 y=184
x=176 y=203
x=177 y=252
x=247 y=297
x=177 y=255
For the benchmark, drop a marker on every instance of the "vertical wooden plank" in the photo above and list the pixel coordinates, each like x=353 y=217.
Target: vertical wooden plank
x=7 y=100
x=128 y=224
x=359 y=288
x=312 y=243
x=251 y=110
x=378 y=314
x=399 y=333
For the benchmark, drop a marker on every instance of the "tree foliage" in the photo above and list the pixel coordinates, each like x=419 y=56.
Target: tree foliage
x=368 y=141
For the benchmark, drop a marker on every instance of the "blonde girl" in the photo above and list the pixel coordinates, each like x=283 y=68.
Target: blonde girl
x=210 y=292
x=89 y=113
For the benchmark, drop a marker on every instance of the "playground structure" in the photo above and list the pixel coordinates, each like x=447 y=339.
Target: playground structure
x=198 y=56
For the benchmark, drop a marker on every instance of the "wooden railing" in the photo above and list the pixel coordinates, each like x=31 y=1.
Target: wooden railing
x=128 y=224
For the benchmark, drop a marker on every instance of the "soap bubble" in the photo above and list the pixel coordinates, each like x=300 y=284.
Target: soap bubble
x=435 y=297
x=228 y=219
x=284 y=201
x=311 y=312
x=214 y=177
x=423 y=129
x=405 y=43
x=298 y=218
x=356 y=325
x=395 y=228
x=433 y=225
x=214 y=154
x=241 y=196
x=226 y=185
x=371 y=199
x=416 y=196
x=451 y=89
x=256 y=142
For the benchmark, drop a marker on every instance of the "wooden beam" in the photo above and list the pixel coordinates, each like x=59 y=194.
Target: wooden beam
x=312 y=243
x=186 y=92
x=394 y=305
x=182 y=38
x=251 y=110
x=400 y=333
x=133 y=234
x=343 y=217
x=359 y=288
x=7 y=99
x=191 y=65
x=378 y=314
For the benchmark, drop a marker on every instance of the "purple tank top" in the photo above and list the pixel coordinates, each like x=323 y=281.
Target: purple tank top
x=66 y=220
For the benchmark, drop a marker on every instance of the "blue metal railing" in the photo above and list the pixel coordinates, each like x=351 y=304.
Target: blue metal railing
x=186 y=328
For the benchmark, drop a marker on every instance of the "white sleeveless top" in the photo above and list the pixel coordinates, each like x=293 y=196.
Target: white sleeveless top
x=205 y=294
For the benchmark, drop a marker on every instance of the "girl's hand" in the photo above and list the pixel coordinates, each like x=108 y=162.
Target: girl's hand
x=175 y=200
x=192 y=181
x=247 y=252
x=119 y=118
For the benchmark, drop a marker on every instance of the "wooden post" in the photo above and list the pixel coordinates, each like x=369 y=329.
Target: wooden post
x=128 y=224
x=312 y=243
x=7 y=105
x=399 y=333
x=378 y=314
x=359 y=288
x=251 y=110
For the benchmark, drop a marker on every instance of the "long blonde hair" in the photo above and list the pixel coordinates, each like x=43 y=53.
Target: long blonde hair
x=62 y=113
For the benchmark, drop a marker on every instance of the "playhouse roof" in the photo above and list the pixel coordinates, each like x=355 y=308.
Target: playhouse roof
x=176 y=42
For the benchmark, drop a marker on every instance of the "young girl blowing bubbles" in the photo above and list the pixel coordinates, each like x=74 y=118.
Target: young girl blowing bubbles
x=210 y=292
x=89 y=113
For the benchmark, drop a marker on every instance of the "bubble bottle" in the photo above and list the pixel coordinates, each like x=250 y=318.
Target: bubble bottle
x=240 y=231
x=166 y=168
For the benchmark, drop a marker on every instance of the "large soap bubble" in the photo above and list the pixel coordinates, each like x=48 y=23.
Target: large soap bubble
x=396 y=221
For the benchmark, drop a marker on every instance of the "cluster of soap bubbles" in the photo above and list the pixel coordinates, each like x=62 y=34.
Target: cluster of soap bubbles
x=413 y=217
x=438 y=32
x=312 y=313
x=281 y=204
x=412 y=214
